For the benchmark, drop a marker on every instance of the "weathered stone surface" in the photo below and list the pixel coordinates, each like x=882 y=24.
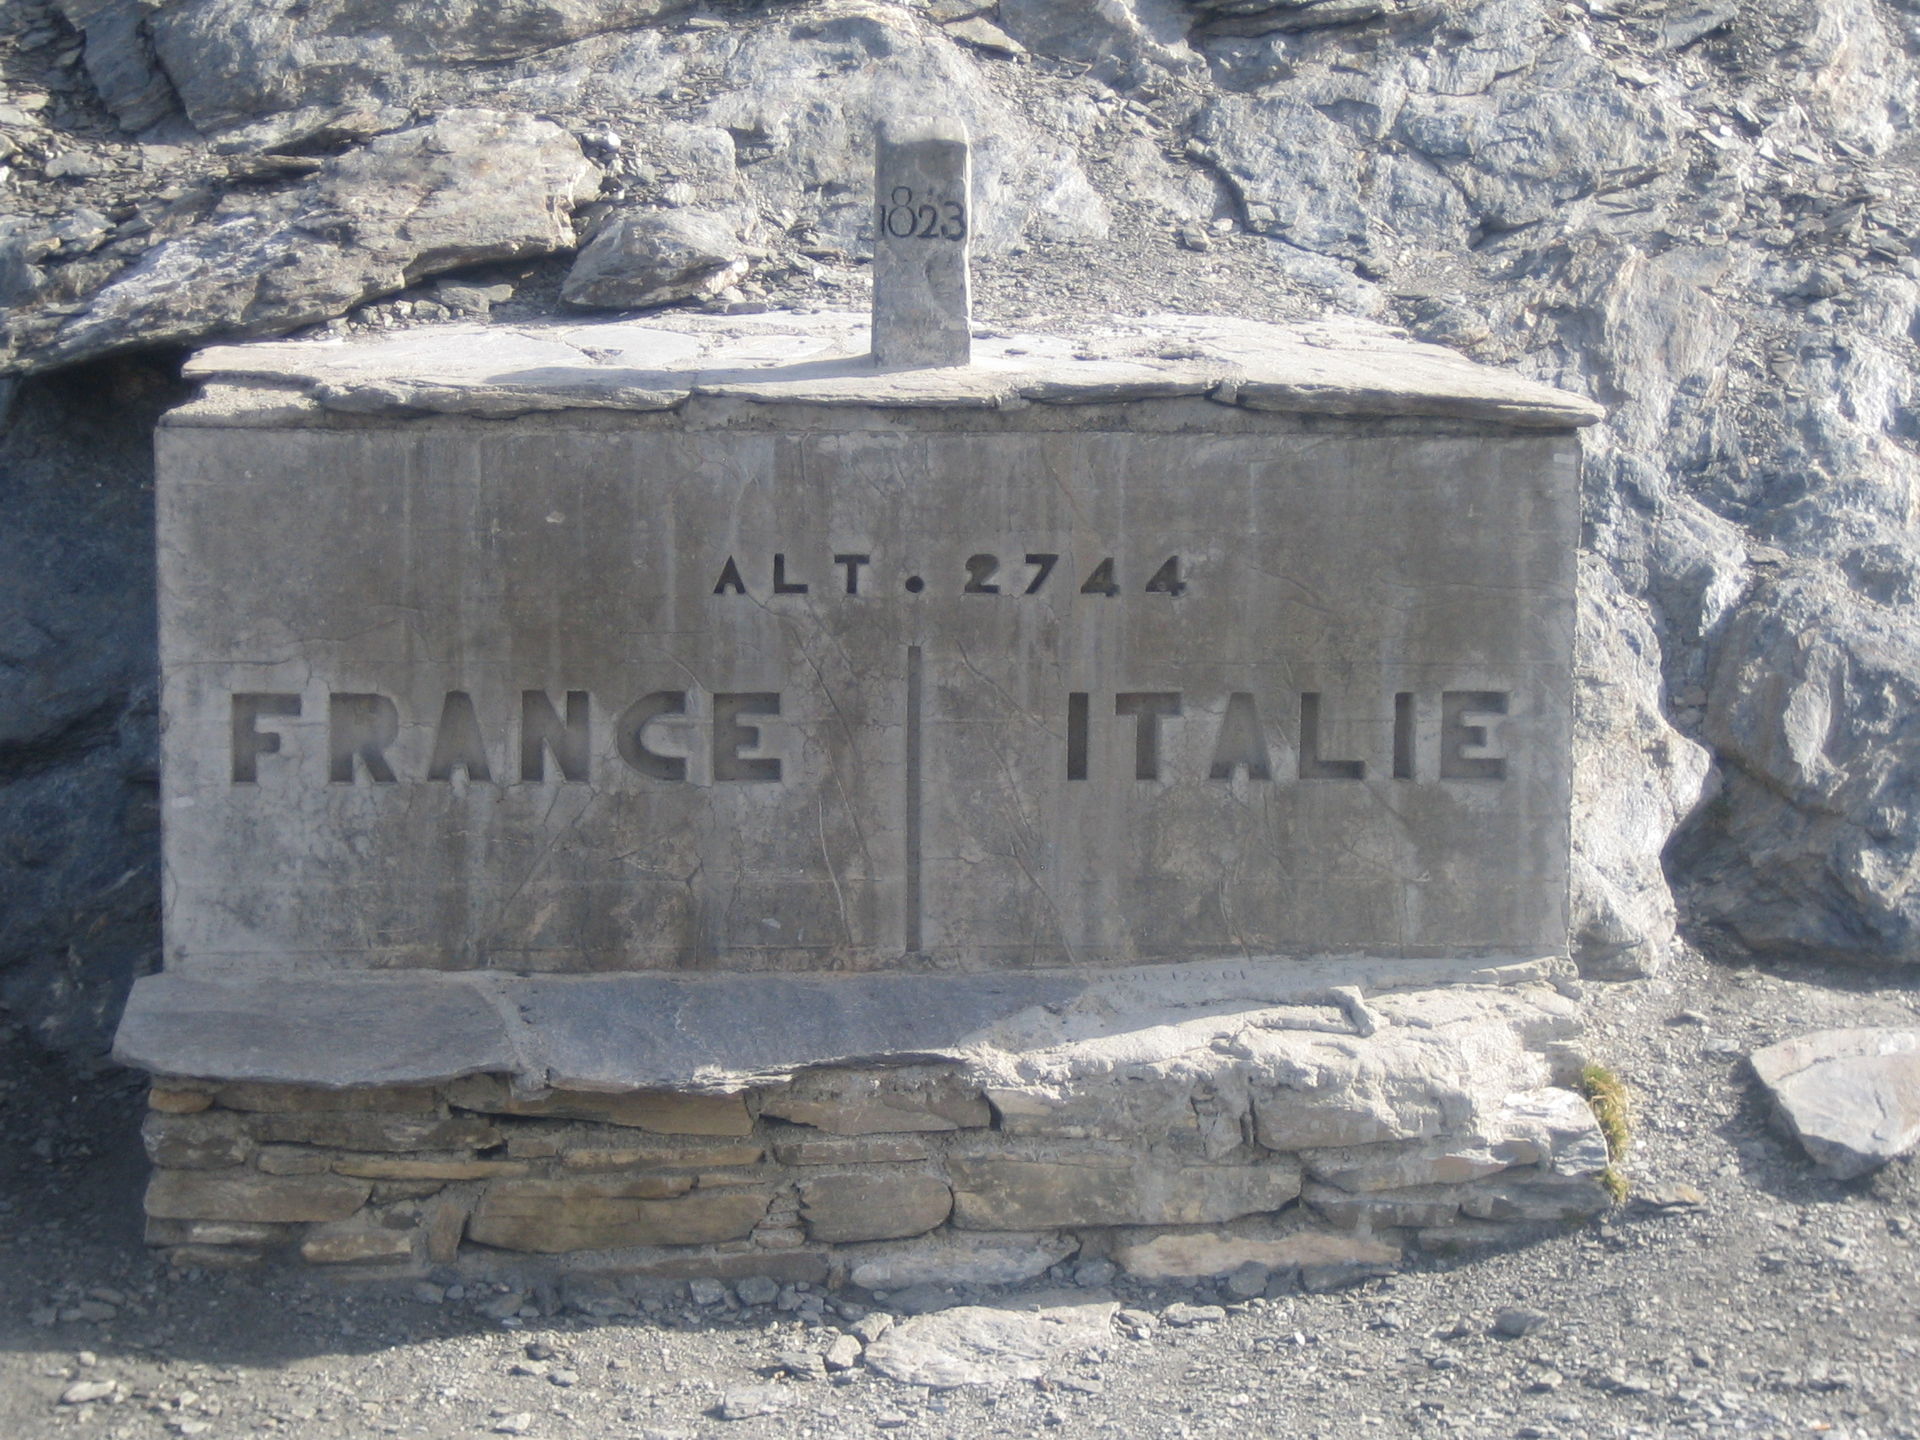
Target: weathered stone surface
x=873 y=1205
x=356 y=1242
x=866 y=1102
x=1330 y=1068
x=386 y=1192
x=1030 y=183
x=234 y=60
x=378 y=1131
x=444 y=1224
x=1548 y=1129
x=161 y=1231
x=79 y=657
x=1142 y=1103
x=213 y=1257
x=709 y=1262
x=554 y=1216
x=469 y=186
x=1278 y=1245
x=1472 y=1237
x=955 y=1258
x=321 y=1033
x=311 y=1099
x=120 y=61
x=590 y=1151
x=1413 y=1207
x=842 y=1354
x=661 y=1111
x=1348 y=1114
x=1522 y=1197
x=1123 y=41
x=1107 y=1186
x=539 y=1145
x=203 y=1141
x=171 y=1101
x=1635 y=779
x=1402 y=1083
x=650 y=1031
x=654 y=257
x=983 y=1345
x=425 y=1167
x=1851 y=1097
x=292 y=1160
x=232 y=1195
x=1286 y=161
x=798 y=1147
x=1400 y=1165
x=1551 y=1129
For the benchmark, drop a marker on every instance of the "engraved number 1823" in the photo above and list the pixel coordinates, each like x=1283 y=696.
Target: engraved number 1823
x=903 y=218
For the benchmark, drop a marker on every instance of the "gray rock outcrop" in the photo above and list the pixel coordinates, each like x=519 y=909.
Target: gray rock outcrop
x=471 y=186
x=1814 y=711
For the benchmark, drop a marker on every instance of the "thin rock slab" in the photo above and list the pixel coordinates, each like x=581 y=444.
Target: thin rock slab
x=990 y=1345
x=264 y=1199
x=1283 y=1243
x=554 y=1216
x=1851 y=1097
x=956 y=1258
x=717 y=1034
x=1339 y=367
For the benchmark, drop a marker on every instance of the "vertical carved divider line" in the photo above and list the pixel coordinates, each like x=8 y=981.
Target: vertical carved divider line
x=912 y=903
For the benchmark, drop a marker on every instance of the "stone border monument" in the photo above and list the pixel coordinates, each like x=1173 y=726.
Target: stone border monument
x=751 y=796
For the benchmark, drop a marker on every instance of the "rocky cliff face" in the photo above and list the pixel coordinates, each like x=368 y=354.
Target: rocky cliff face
x=1700 y=213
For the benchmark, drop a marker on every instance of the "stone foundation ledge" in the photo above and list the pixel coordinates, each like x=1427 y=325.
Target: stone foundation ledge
x=1320 y=1139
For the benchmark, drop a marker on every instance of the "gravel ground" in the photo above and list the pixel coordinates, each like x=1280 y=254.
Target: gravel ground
x=1773 y=1303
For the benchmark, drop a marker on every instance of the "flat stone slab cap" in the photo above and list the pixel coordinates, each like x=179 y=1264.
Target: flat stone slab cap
x=1332 y=367
x=1851 y=1097
x=367 y=1030
x=707 y=1032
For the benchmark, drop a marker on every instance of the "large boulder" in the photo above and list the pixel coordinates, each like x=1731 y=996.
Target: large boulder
x=1814 y=712
x=1850 y=1097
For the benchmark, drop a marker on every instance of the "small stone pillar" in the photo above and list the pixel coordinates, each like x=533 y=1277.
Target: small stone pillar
x=923 y=233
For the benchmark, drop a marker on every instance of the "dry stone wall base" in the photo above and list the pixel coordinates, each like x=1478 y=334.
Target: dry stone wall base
x=989 y=1169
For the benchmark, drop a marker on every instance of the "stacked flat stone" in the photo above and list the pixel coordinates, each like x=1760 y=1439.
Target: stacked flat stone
x=1279 y=1136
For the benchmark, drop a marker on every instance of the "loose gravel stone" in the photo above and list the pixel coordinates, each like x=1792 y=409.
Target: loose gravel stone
x=757 y=1290
x=745 y=1402
x=1515 y=1323
x=1185 y=1315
